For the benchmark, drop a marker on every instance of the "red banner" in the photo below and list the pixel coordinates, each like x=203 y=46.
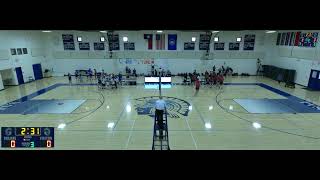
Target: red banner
x=296 y=42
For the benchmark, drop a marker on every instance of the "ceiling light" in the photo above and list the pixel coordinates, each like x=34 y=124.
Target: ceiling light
x=103 y=31
x=79 y=38
x=256 y=125
x=159 y=31
x=128 y=108
x=46 y=31
x=239 y=39
x=207 y=125
x=110 y=125
x=193 y=39
x=125 y=39
x=61 y=126
x=190 y=108
x=230 y=107
x=215 y=31
x=270 y=32
x=102 y=39
x=216 y=39
x=210 y=108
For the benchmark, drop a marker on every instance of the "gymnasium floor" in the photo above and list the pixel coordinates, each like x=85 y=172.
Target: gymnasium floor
x=119 y=119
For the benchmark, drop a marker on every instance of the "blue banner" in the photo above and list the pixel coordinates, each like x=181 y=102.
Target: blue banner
x=172 y=42
x=234 y=46
x=189 y=46
x=98 y=46
x=129 y=46
x=68 y=42
x=84 y=46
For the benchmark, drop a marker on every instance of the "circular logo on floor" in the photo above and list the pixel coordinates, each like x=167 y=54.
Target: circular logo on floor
x=175 y=107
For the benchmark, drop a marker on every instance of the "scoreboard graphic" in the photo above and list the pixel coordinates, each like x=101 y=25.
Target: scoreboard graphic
x=27 y=137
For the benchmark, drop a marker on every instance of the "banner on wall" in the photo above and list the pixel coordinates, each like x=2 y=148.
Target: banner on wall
x=248 y=46
x=98 y=46
x=278 y=39
x=234 y=46
x=204 y=38
x=113 y=40
x=84 y=46
x=308 y=39
x=287 y=38
x=249 y=40
x=291 y=39
x=129 y=46
x=204 y=46
x=148 y=37
x=296 y=43
x=160 y=41
x=172 y=42
x=283 y=39
x=204 y=43
x=219 y=46
x=189 y=45
x=68 y=42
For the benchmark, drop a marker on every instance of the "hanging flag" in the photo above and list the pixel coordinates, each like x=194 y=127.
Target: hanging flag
x=296 y=42
x=278 y=39
x=292 y=38
x=287 y=39
x=172 y=42
x=283 y=39
x=148 y=37
x=160 y=41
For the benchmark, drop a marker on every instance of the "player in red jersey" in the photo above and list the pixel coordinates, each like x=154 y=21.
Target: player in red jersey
x=220 y=80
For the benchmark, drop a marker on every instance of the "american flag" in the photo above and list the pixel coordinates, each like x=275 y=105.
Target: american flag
x=160 y=41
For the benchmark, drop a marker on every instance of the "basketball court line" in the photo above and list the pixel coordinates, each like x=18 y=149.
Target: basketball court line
x=121 y=114
x=148 y=130
x=277 y=91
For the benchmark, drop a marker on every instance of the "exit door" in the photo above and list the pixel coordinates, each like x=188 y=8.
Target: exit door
x=19 y=75
x=37 y=71
x=314 y=80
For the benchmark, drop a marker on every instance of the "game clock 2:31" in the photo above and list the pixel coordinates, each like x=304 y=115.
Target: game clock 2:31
x=33 y=131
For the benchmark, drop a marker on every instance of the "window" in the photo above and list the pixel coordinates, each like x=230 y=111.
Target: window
x=314 y=74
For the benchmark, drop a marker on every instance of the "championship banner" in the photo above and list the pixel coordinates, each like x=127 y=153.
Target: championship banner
x=219 y=46
x=113 y=40
x=234 y=46
x=189 y=45
x=84 y=46
x=68 y=42
x=172 y=42
x=129 y=46
x=249 y=41
x=98 y=46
